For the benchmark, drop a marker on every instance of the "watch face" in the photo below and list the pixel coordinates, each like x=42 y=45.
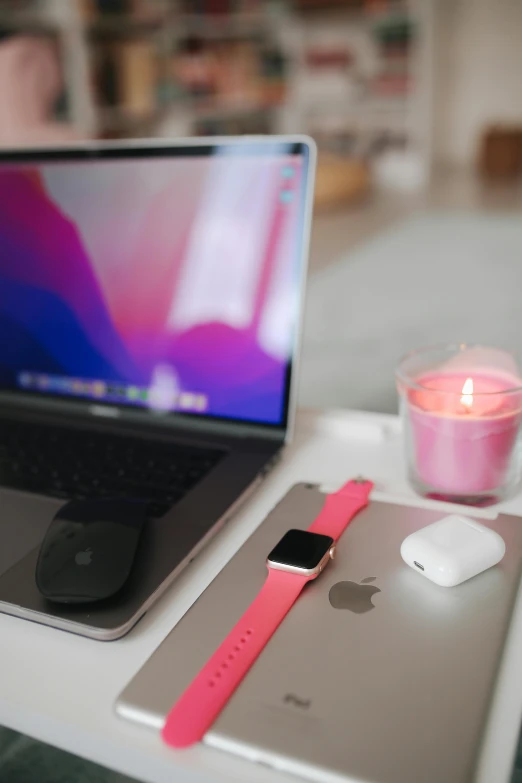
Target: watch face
x=301 y=549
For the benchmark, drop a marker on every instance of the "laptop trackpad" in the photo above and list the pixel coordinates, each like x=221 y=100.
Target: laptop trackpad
x=24 y=520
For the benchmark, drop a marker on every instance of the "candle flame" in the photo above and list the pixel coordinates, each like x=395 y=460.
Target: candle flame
x=467 y=394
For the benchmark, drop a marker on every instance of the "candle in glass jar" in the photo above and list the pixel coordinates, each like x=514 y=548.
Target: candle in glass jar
x=463 y=429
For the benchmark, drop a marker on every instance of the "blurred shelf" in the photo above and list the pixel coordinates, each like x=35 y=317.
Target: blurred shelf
x=360 y=106
x=217 y=26
x=118 y=117
x=181 y=25
x=118 y=27
x=374 y=20
x=27 y=22
x=314 y=8
x=396 y=15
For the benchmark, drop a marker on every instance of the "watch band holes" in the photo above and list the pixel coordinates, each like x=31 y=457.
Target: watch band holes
x=230 y=657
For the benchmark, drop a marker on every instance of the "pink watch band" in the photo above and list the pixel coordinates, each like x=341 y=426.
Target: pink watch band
x=204 y=699
x=340 y=508
x=209 y=692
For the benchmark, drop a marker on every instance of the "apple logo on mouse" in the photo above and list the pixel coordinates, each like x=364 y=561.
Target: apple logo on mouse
x=84 y=557
x=354 y=596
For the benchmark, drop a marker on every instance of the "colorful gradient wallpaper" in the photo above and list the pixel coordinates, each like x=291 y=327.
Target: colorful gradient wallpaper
x=169 y=283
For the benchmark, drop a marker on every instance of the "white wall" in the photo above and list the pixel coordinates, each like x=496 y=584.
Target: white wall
x=478 y=73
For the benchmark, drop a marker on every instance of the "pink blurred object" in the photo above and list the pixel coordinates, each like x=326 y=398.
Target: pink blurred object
x=30 y=83
x=464 y=448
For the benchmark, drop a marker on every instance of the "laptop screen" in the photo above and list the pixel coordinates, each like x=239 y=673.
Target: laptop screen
x=163 y=279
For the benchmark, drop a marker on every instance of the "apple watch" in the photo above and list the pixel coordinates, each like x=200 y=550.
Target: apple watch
x=299 y=557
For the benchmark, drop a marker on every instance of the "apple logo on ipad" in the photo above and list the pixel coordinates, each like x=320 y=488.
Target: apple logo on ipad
x=354 y=596
x=84 y=557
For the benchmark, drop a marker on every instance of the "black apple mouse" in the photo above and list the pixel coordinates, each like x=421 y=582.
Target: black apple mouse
x=89 y=549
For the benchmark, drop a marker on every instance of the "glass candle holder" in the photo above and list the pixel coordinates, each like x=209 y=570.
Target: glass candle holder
x=461 y=409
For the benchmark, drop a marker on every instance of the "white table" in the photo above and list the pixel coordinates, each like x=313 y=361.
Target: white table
x=60 y=688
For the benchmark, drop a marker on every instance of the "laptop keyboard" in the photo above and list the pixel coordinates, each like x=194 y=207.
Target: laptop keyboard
x=76 y=464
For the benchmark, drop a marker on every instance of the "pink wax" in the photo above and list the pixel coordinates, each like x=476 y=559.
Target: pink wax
x=463 y=445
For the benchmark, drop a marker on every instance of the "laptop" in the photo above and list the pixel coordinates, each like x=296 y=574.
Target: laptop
x=150 y=303
x=386 y=680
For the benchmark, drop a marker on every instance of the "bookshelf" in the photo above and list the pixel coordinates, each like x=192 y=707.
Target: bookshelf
x=350 y=72
x=210 y=73
x=361 y=81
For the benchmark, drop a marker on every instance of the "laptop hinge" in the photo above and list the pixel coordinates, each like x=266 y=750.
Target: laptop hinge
x=116 y=418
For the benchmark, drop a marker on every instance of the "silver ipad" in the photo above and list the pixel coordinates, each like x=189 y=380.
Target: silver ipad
x=376 y=673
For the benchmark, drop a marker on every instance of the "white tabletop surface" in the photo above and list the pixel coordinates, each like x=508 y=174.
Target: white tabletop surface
x=61 y=688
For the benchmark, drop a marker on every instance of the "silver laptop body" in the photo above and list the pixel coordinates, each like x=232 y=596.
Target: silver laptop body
x=182 y=195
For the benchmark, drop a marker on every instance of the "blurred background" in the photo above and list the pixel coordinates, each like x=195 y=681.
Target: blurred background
x=416 y=107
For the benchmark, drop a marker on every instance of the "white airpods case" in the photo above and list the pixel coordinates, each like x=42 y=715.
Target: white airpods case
x=452 y=550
